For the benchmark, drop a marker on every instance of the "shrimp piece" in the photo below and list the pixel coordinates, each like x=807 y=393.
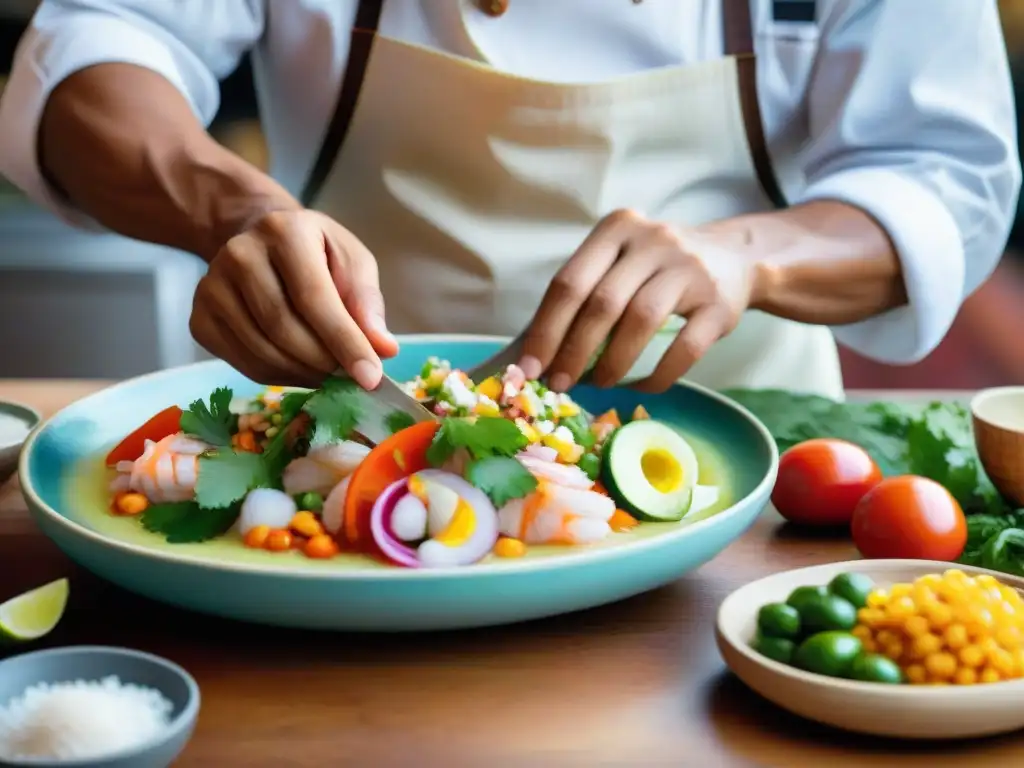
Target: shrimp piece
x=166 y=471
x=557 y=515
x=323 y=467
x=568 y=475
x=333 y=513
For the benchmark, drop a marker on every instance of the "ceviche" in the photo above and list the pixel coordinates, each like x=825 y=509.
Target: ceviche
x=503 y=465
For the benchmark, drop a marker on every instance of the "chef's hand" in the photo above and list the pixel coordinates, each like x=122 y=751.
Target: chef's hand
x=291 y=300
x=630 y=276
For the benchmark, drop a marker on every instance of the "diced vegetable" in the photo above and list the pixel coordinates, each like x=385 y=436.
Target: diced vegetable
x=130 y=504
x=167 y=422
x=509 y=548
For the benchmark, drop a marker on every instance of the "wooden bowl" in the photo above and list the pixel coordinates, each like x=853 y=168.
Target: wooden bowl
x=998 y=416
x=897 y=711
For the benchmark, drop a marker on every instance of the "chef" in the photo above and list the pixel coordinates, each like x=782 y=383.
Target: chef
x=713 y=188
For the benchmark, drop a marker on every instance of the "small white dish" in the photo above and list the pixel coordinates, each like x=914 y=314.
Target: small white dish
x=899 y=711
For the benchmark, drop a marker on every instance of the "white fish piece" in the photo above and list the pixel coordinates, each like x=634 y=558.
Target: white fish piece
x=539 y=452
x=409 y=519
x=323 y=467
x=552 y=522
x=266 y=506
x=333 y=513
x=587 y=530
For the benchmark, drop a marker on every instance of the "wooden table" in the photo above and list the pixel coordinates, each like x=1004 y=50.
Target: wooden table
x=632 y=684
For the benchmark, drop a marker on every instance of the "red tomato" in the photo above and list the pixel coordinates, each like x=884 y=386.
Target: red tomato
x=165 y=423
x=821 y=481
x=909 y=517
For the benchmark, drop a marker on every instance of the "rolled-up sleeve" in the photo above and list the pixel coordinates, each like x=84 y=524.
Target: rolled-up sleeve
x=912 y=120
x=192 y=43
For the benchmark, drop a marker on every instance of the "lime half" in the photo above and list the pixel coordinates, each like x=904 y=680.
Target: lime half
x=33 y=614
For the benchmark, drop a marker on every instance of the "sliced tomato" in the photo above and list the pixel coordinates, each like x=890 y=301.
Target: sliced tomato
x=401 y=455
x=165 y=423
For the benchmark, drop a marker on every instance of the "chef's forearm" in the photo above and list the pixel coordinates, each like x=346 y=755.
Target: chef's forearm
x=123 y=145
x=823 y=262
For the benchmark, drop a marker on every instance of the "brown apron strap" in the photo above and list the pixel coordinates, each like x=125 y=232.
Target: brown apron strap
x=363 y=34
x=738 y=36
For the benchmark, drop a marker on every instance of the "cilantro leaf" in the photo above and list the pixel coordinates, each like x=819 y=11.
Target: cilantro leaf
x=226 y=476
x=158 y=518
x=202 y=525
x=281 y=448
x=482 y=437
x=212 y=424
x=502 y=478
x=335 y=410
x=396 y=421
x=185 y=522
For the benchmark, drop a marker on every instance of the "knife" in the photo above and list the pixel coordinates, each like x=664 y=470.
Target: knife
x=382 y=402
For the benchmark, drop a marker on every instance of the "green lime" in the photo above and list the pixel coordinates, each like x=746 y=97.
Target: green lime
x=775 y=648
x=873 y=668
x=33 y=614
x=828 y=653
x=821 y=614
x=801 y=595
x=313 y=502
x=854 y=587
x=779 y=620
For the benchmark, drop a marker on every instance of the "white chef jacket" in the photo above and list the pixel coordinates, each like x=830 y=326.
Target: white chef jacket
x=903 y=108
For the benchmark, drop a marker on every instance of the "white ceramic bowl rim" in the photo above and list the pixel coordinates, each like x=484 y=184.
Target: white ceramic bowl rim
x=181 y=720
x=29 y=415
x=742 y=644
x=552 y=563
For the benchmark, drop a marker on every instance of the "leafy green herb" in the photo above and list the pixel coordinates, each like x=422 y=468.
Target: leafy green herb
x=283 y=446
x=482 y=437
x=502 y=478
x=933 y=440
x=212 y=424
x=159 y=518
x=187 y=523
x=226 y=476
x=1005 y=552
x=981 y=528
x=579 y=426
x=396 y=421
x=335 y=409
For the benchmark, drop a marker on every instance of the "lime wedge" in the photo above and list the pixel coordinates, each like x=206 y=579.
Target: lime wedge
x=33 y=614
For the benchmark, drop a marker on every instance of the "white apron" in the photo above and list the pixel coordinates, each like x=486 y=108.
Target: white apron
x=472 y=187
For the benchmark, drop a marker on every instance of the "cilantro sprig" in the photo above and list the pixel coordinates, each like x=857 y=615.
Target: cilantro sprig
x=502 y=478
x=213 y=423
x=396 y=421
x=335 y=409
x=481 y=437
x=185 y=522
x=226 y=476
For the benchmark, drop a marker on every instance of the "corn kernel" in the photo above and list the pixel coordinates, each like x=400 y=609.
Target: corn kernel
x=893 y=650
x=1008 y=637
x=915 y=626
x=900 y=607
x=877 y=599
x=941 y=665
x=965 y=676
x=955 y=636
x=971 y=656
x=1002 y=662
x=887 y=636
x=989 y=675
x=925 y=645
x=862 y=632
x=916 y=673
x=901 y=590
x=872 y=617
x=938 y=615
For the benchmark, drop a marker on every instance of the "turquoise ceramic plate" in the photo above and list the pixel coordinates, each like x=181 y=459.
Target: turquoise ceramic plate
x=63 y=482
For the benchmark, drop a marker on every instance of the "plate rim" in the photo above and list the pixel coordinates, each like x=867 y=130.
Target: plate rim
x=738 y=645
x=552 y=563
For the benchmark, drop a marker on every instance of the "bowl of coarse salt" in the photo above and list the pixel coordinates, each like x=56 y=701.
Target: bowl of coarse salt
x=94 y=707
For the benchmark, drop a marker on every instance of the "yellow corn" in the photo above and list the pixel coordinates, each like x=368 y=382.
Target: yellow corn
x=566 y=410
x=947 y=628
x=568 y=453
x=489 y=387
x=531 y=434
x=487 y=409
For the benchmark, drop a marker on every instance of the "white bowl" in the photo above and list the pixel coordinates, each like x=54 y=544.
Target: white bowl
x=901 y=711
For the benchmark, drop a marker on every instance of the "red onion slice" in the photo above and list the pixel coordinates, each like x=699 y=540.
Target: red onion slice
x=380 y=526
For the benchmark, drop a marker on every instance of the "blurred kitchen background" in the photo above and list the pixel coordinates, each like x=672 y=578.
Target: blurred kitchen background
x=100 y=306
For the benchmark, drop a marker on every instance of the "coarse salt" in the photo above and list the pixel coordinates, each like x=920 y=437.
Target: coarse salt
x=81 y=719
